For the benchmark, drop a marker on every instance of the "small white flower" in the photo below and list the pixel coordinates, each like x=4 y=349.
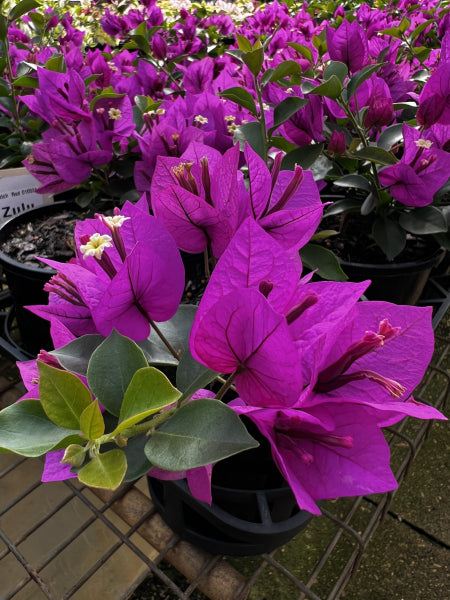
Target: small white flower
x=421 y=143
x=95 y=246
x=115 y=114
x=200 y=119
x=115 y=221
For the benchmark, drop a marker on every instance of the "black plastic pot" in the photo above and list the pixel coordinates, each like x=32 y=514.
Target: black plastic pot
x=253 y=510
x=26 y=283
x=402 y=283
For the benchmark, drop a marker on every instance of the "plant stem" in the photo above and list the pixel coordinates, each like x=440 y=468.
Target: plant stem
x=165 y=341
x=147 y=425
x=262 y=119
x=226 y=386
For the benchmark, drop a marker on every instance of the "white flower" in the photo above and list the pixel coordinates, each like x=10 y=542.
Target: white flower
x=95 y=246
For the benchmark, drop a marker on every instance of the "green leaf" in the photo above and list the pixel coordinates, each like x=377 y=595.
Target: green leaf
x=286 y=109
x=253 y=134
x=254 y=60
x=360 y=77
x=341 y=206
x=339 y=69
x=137 y=463
x=389 y=236
x=63 y=396
x=105 y=470
x=285 y=69
x=111 y=369
x=22 y=8
x=75 y=355
x=91 y=421
x=326 y=263
x=390 y=136
x=303 y=50
x=200 y=433
x=142 y=43
x=3 y=27
x=241 y=97
x=192 y=376
x=304 y=156
x=418 y=29
x=25 y=429
x=56 y=63
x=176 y=330
x=331 y=88
x=424 y=220
x=377 y=155
x=244 y=44
x=105 y=94
x=353 y=181
x=369 y=205
x=26 y=81
x=282 y=143
x=149 y=391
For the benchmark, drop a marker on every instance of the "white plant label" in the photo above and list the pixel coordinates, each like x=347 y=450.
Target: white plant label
x=18 y=193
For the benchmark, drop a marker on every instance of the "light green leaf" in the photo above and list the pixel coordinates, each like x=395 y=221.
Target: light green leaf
x=254 y=60
x=26 y=81
x=244 y=44
x=75 y=355
x=200 y=433
x=63 y=396
x=326 y=263
x=91 y=421
x=105 y=470
x=111 y=369
x=149 y=391
x=25 y=429
x=242 y=97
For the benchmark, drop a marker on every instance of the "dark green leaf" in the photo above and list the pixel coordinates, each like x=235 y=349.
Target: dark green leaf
x=339 y=69
x=304 y=156
x=22 y=8
x=26 y=81
x=177 y=331
x=285 y=69
x=75 y=355
x=105 y=470
x=241 y=97
x=282 y=143
x=3 y=27
x=25 y=429
x=317 y=257
x=111 y=369
x=353 y=181
x=141 y=43
x=424 y=220
x=390 y=136
x=369 y=205
x=418 y=29
x=200 y=433
x=191 y=375
x=303 y=50
x=63 y=396
x=105 y=94
x=377 y=155
x=341 y=206
x=389 y=236
x=331 y=88
x=137 y=463
x=360 y=77
x=254 y=60
x=253 y=134
x=286 y=109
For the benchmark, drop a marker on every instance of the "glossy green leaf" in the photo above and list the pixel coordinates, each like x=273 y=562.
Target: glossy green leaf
x=369 y=205
x=253 y=134
x=137 y=463
x=377 y=155
x=108 y=93
x=200 y=433
x=26 y=81
x=192 y=376
x=285 y=69
x=21 y=8
x=304 y=156
x=286 y=109
x=342 y=206
x=353 y=181
x=331 y=88
x=25 y=429
x=317 y=257
x=360 y=77
x=63 y=396
x=303 y=50
x=75 y=355
x=91 y=421
x=282 y=143
x=241 y=97
x=337 y=68
x=389 y=236
x=424 y=221
x=111 y=369
x=149 y=391
x=390 y=136
x=105 y=470
x=141 y=43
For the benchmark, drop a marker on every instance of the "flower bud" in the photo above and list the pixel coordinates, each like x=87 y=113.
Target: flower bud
x=337 y=144
x=159 y=47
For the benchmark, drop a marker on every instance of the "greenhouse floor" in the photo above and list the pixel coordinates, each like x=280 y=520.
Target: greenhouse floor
x=60 y=541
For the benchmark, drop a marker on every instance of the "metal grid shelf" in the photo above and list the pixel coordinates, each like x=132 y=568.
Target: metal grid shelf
x=58 y=538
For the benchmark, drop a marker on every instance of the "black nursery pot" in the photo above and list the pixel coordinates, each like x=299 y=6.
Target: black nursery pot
x=253 y=509
x=401 y=283
x=26 y=283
